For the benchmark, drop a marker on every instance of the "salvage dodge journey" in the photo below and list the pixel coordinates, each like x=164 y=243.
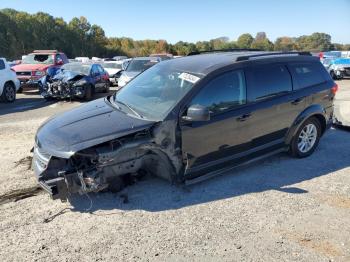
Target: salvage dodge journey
x=188 y=119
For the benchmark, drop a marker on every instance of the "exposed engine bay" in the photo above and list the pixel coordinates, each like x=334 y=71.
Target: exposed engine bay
x=108 y=165
x=63 y=85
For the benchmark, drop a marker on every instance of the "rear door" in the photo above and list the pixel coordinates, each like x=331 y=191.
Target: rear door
x=274 y=106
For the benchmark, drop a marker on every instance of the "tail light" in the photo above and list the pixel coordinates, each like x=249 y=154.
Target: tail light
x=334 y=89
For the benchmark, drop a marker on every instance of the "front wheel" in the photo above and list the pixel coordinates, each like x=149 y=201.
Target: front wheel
x=306 y=139
x=88 y=93
x=8 y=93
x=106 y=88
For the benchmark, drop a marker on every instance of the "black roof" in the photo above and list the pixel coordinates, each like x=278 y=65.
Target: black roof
x=207 y=62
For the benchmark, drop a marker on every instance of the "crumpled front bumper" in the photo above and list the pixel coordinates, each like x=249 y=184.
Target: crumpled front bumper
x=56 y=187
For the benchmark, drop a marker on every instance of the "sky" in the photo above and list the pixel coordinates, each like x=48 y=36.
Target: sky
x=198 y=20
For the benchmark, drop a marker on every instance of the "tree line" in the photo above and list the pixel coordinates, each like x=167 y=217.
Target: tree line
x=21 y=33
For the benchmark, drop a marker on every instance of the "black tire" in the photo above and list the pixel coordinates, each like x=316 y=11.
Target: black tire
x=116 y=184
x=106 y=89
x=88 y=93
x=296 y=147
x=333 y=75
x=8 y=93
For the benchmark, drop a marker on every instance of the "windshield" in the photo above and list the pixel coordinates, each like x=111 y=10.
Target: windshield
x=154 y=93
x=76 y=67
x=112 y=65
x=46 y=59
x=140 y=65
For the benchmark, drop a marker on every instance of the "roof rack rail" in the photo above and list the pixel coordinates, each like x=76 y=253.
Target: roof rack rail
x=47 y=51
x=247 y=57
x=223 y=50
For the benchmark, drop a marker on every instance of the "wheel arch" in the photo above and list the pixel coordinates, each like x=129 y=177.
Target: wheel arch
x=316 y=111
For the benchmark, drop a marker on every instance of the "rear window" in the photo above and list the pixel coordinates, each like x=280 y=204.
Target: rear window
x=268 y=81
x=2 y=64
x=307 y=74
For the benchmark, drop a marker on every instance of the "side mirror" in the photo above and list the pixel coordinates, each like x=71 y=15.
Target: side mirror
x=197 y=113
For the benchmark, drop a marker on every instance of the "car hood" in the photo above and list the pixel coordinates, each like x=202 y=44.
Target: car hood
x=90 y=124
x=66 y=75
x=30 y=67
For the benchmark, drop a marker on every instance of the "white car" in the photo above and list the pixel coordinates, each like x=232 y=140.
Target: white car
x=9 y=84
x=114 y=69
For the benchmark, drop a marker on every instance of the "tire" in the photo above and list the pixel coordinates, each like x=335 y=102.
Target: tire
x=116 y=184
x=306 y=139
x=88 y=93
x=106 y=89
x=8 y=93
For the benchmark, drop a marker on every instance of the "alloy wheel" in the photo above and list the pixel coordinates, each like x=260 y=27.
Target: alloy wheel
x=307 y=138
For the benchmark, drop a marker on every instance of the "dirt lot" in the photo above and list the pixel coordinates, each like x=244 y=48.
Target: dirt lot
x=282 y=209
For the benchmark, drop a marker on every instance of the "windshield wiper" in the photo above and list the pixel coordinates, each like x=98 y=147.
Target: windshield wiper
x=129 y=107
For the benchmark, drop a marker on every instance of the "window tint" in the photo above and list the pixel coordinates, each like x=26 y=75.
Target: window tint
x=94 y=70
x=307 y=74
x=2 y=64
x=225 y=91
x=100 y=69
x=269 y=80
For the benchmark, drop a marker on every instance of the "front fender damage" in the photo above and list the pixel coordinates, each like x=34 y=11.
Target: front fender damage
x=155 y=151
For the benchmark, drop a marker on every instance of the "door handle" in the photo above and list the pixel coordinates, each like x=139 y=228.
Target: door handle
x=243 y=117
x=297 y=101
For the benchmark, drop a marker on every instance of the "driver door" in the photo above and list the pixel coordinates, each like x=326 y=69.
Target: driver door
x=211 y=143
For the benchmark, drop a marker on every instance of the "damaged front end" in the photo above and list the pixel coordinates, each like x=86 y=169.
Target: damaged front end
x=107 y=165
x=63 y=87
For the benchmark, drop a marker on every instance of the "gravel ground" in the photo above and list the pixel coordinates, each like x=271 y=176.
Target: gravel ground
x=281 y=209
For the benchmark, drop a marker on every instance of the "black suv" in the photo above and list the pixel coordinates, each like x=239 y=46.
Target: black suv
x=187 y=119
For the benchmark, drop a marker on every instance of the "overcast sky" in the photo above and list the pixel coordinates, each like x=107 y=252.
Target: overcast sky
x=195 y=20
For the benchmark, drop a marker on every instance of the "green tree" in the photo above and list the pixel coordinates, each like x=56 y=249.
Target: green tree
x=284 y=43
x=245 y=41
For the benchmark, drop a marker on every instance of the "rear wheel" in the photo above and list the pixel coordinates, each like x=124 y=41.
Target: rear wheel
x=306 y=139
x=8 y=93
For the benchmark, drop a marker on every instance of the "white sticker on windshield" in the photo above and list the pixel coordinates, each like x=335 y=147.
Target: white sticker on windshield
x=188 y=77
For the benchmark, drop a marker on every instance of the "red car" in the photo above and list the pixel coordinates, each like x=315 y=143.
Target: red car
x=34 y=66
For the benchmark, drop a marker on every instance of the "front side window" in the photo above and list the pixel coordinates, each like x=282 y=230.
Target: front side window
x=223 y=92
x=268 y=81
x=307 y=74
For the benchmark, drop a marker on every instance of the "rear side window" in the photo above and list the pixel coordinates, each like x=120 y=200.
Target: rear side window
x=307 y=74
x=223 y=92
x=268 y=81
x=2 y=64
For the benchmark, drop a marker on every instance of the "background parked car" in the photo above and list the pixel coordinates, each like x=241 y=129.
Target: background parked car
x=79 y=80
x=82 y=59
x=35 y=65
x=135 y=67
x=9 y=84
x=114 y=69
x=162 y=56
x=120 y=57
